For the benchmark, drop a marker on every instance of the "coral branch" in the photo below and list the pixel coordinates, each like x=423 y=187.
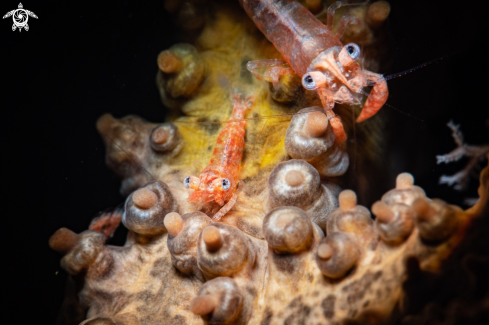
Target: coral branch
x=475 y=153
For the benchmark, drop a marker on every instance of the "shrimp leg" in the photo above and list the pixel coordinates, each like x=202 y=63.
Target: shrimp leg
x=327 y=99
x=345 y=20
x=226 y=207
x=274 y=69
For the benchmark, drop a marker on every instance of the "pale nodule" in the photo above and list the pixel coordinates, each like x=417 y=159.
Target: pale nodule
x=316 y=124
x=203 y=305
x=160 y=136
x=173 y=223
x=63 y=240
x=404 y=180
x=294 y=178
x=347 y=200
x=383 y=213
x=212 y=238
x=144 y=198
x=378 y=11
x=169 y=62
x=325 y=251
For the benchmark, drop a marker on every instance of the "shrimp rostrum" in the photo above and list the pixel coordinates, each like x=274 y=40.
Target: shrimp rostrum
x=316 y=54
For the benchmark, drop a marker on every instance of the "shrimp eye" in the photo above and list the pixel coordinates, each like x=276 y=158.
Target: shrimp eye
x=353 y=50
x=186 y=182
x=226 y=184
x=308 y=82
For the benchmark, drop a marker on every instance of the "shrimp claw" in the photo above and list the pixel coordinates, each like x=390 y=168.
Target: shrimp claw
x=377 y=98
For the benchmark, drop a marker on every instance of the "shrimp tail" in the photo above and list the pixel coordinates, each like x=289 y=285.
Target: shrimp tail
x=241 y=105
x=377 y=98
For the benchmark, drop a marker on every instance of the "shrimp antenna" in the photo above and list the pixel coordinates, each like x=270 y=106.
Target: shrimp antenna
x=403 y=73
x=407 y=114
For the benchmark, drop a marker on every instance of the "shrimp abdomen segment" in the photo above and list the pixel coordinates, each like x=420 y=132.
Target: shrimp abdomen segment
x=228 y=151
x=293 y=30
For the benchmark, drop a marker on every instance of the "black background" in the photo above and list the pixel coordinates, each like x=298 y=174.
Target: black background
x=82 y=59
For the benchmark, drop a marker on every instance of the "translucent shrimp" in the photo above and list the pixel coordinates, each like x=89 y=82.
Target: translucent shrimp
x=314 y=52
x=218 y=182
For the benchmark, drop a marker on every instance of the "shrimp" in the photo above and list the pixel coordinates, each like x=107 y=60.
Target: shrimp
x=312 y=51
x=218 y=181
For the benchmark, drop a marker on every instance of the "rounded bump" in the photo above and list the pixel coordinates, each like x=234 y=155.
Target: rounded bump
x=300 y=195
x=325 y=251
x=316 y=124
x=356 y=221
x=310 y=195
x=435 y=219
x=294 y=178
x=212 y=238
x=423 y=209
x=149 y=221
x=204 y=305
x=225 y=296
x=383 y=213
x=166 y=138
x=184 y=232
x=82 y=254
x=144 y=198
x=287 y=230
x=345 y=255
x=319 y=150
x=63 y=240
x=173 y=223
x=185 y=77
x=235 y=252
x=394 y=222
x=404 y=181
x=347 y=200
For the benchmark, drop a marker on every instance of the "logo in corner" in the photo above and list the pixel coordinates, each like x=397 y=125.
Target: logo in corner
x=20 y=17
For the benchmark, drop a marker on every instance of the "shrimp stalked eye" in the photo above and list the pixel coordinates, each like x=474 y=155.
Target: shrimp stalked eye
x=226 y=184
x=308 y=82
x=348 y=54
x=191 y=182
x=313 y=80
x=353 y=50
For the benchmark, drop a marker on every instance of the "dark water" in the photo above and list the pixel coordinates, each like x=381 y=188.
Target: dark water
x=80 y=60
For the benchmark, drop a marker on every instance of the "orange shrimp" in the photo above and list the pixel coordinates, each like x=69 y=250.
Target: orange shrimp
x=312 y=50
x=218 y=182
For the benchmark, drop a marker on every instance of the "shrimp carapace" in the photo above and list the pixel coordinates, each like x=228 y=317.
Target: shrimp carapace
x=314 y=52
x=218 y=182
